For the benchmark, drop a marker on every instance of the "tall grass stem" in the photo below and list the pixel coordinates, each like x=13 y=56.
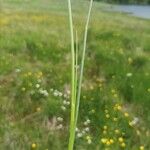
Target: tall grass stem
x=76 y=64
x=75 y=85
x=82 y=60
x=73 y=97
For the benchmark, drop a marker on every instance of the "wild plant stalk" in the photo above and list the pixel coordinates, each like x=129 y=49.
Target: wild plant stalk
x=82 y=61
x=76 y=64
x=75 y=86
x=73 y=96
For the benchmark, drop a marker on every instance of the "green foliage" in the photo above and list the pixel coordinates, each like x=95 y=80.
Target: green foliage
x=35 y=49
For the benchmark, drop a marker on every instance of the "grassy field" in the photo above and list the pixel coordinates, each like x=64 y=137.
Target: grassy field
x=35 y=77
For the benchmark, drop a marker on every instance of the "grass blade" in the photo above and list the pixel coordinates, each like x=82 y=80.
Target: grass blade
x=73 y=97
x=76 y=63
x=82 y=61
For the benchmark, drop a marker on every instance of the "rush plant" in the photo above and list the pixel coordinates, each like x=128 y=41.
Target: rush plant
x=76 y=81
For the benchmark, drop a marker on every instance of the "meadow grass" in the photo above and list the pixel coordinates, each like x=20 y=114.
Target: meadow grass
x=35 y=77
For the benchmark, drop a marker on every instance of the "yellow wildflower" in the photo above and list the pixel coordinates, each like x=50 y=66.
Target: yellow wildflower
x=120 y=139
x=33 y=145
x=107 y=116
x=38 y=109
x=126 y=114
x=113 y=91
x=108 y=143
x=115 y=119
x=119 y=107
x=104 y=140
x=131 y=124
x=88 y=137
x=123 y=145
x=111 y=141
x=105 y=127
x=117 y=131
x=141 y=147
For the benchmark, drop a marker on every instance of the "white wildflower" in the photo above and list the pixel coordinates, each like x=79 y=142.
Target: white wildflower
x=63 y=108
x=79 y=135
x=87 y=129
x=43 y=92
x=37 y=85
x=68 y=92
x=89 y=141
x=129 y=74
x=65 y=95
x=60 y=94
x=135 y=121
x=65 y=102
x=60 y=119
x=60 y=126
x=17 y=70
x=68 y=103
x=88 y=138
x=87 y=122
x=77 y=130
x=56 y=93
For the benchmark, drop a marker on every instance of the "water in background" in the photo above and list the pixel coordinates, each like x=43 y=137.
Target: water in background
x=136 y=10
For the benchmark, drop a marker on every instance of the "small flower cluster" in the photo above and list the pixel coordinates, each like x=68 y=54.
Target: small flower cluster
x=60 y=123
x=43 y=92
x=57 y=93
x=85 y=131
x=115 y=134
x=114 y=93
x=31 y=85
x=107 y=141
x=65 y=98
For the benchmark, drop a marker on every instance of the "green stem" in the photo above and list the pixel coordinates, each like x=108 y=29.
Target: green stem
x=76 y=64
x=75 y=89
x=82 y=61
x=73 y=97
